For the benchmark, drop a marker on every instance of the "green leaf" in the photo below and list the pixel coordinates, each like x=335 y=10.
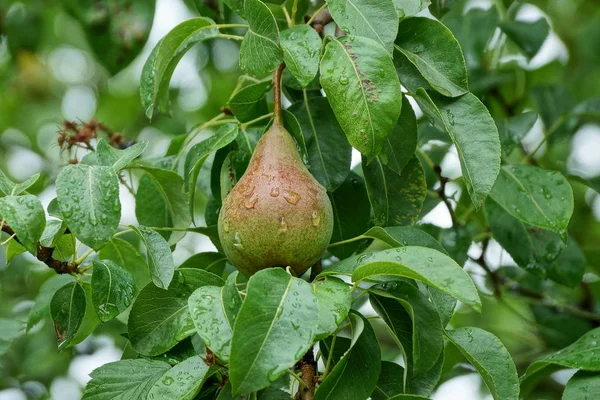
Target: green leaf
x=128 y=257
x=355 y=375
x=395 y=199
x=260 y=52
x=401 y=143
x=329 y=153
x=409 y=397
x=537 y=196
x=13 y=249
x=390 y=382
x=209 y=261
x=473 y=132
x=160 y=318
x=158 y=255
x=474 y=30
x=124 y=379
x=88 y=197
x=182 y=382
x=408 y=8
x=426 y=343
x=361 y=84
x=250 y=101
x=398 y=236
x=53 y=231
x=25 y=215
x=159 y=67
x=161 y=202
x=8 y=187
x=10 y=330
x=334 y=299
x=198 y=154
x=41 y=305
x=301 y=46
x=236 y=5
x=90 y=318
x=273 y=330
x=290 y=122
x=491 y=359
x=583 y=355
x=115 y=158
x=214 y=310
x=435 y=52
x=582 y=386
x=351 y=213
x=67 y=308
x=420 y=263
x=113 y=289
x=513 y=129
x=529 y=36
x=374 y=19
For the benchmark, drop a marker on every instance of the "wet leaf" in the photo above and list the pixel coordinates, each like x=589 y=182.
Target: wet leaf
x=67 y=308
x=260 y=52
x=25 y=215
x=113 y=289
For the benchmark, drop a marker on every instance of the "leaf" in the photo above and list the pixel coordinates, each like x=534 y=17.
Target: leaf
x=159 y=67
x=398 y=236
x=90 y=319
x=491 y=359
x=128 y=257
x=8 y=187
x=529 y=36
x=329 y=153
x=426 y=343
x=260 y=52
x=209 y=261
x=250 y=102
x=361 y=84
x=236 y=5
x=581 y=355
x=182 y=382
x=390 y=382
x=124 y=379
x=539 y=197
x=274 y=329
x=13 y=249
x=583 y=385
x=158 y=255
x=25 y=215
x=213 y=310
x=113 y=289
x=88 y=197
x=420 y=263
x=53 y=231
x=198 y=154
x=355 y=375
x=473 y=132
x=10 y=330
x=351 y=213
x=395 y=199
x=162 y=202
x=408 y=8
x=116 y=158
x=401 y=143
x=334 y=299
x=514 y=129
x=160 y=318
x=374 y=19
x=301 y=46
x=433 y=50
x=290 y=122
x=41 y=305
x=67 y=308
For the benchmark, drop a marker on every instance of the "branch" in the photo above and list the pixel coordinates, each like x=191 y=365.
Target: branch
x=442 y=193
x=496 y=279
x=44 y=254
x=308 y=367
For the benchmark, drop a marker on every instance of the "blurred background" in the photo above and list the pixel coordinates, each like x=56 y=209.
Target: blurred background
x=60 y=60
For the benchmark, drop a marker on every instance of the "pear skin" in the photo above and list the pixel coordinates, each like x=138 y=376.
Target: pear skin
x=277 y=214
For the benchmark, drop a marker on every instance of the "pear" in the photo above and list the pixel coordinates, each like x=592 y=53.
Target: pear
x=277 y=214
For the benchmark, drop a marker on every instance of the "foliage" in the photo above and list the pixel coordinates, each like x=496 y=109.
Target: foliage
x=396 y=306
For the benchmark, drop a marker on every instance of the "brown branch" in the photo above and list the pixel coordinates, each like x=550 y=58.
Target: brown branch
x=308 y=367
x=44 y=254
x=496 y=279
x=441 y=191
x=277 y=118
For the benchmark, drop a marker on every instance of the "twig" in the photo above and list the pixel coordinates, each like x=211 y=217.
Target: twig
x=308 y=366
x=44 y=254
x=442 y=193
x=496 y=280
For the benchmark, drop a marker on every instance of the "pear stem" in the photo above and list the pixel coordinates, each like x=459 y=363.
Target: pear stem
x=277 y=94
